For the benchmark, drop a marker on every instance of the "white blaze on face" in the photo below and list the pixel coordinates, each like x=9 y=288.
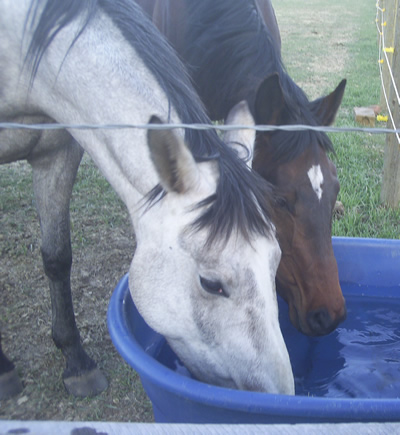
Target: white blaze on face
x=316 y=179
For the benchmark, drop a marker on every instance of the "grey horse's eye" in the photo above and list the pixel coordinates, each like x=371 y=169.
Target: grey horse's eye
x=213 y=287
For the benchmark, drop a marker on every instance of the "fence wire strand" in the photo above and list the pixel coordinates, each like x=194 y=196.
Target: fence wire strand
x=221 y=127
x=380 y=18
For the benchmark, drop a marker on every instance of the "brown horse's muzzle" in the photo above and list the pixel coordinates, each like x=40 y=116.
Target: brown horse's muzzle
x=316 y=304
x=321 y=322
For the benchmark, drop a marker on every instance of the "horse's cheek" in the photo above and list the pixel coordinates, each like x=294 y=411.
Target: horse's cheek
x=163 y=304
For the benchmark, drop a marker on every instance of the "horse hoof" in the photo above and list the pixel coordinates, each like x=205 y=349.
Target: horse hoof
x=88 y=384
x=10 y=385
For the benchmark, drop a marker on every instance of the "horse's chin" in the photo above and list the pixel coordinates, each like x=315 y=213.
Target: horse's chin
x=284 y=289
x=295 y=319
x=202 y=376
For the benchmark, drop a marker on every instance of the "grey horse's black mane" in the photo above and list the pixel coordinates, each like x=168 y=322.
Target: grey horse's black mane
x=242 y=199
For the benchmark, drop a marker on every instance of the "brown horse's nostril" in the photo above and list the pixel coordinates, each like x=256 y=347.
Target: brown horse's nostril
x=320 y=322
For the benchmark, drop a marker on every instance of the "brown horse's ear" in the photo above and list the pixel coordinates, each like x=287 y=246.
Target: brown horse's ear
x=325 y=108
x=270 y=101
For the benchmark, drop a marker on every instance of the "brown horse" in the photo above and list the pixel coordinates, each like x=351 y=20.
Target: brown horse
x=232 y=51
x=170 y=18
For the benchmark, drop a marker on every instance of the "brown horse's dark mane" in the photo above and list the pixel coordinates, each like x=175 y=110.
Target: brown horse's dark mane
x=229 y=51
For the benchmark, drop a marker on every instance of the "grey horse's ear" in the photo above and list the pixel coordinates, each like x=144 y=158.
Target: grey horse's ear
x=242 y=140
x=172 y=159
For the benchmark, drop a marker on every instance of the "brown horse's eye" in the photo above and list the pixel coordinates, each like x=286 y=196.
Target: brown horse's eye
x=282 y=202
x=213 y=287
x=285 y=204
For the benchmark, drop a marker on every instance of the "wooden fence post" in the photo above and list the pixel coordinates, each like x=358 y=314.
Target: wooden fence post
x=390 y=20
x=390 y=193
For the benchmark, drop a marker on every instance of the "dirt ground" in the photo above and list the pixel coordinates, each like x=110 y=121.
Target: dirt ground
x=102 y=255
x=102 y=252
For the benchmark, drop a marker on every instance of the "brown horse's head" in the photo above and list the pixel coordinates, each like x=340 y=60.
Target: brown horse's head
x=306 y=187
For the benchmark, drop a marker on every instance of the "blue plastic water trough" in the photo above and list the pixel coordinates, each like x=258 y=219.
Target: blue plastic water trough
x=351 y=375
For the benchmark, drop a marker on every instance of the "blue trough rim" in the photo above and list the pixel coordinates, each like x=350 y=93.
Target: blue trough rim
x=343 y=409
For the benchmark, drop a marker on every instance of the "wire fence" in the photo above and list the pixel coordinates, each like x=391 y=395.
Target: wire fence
x=386 y=47
x=221 y=127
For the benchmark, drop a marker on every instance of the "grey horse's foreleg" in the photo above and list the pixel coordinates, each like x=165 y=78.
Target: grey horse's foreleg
x=10 y=384
x=53 y=179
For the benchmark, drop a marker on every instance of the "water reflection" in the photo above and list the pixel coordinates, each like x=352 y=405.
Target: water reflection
x=361 y=359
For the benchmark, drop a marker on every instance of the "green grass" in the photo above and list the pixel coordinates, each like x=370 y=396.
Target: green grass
x=359 y=156
x=94 y=199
